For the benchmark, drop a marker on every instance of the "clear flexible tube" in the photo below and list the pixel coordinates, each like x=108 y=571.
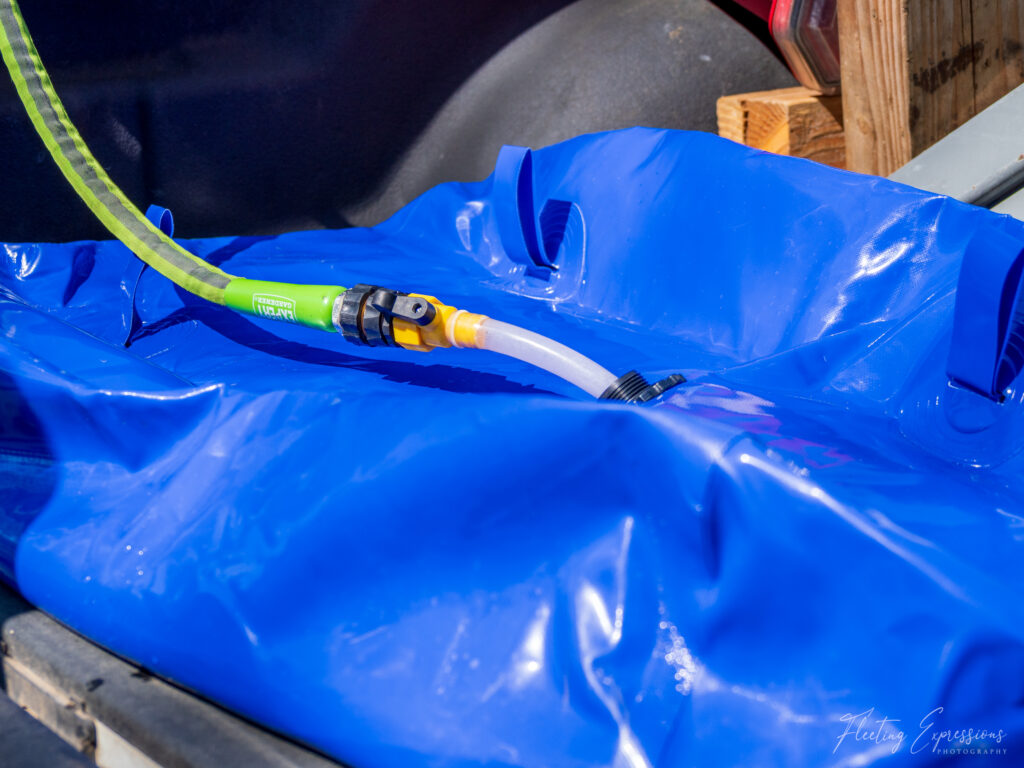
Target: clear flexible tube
x=544 y=353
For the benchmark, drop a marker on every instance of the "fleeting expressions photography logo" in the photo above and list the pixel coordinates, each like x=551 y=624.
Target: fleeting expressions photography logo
x=929 y=736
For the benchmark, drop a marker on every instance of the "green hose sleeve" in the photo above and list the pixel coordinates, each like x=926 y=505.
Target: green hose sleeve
x=87 y=176
x=302 y=304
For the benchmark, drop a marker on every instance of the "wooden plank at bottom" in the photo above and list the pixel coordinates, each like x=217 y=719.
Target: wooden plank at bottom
x=132 y=711
x=26 y=743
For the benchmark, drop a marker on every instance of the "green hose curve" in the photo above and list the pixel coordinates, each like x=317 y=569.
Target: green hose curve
x=87 y=176
x=310 y=305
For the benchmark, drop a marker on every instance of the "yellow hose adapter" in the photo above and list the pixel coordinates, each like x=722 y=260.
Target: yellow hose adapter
x=450 y=327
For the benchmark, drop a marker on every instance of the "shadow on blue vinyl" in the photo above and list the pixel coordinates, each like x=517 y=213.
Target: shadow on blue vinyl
x=811 y=554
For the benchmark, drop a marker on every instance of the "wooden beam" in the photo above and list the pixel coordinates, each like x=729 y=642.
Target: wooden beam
x=913 y=70
x=789 y=121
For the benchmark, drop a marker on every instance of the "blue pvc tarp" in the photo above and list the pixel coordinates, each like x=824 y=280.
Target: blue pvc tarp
x=810 y=554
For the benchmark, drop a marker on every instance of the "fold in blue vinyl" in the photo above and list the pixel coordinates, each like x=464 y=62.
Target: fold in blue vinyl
x=810 y=554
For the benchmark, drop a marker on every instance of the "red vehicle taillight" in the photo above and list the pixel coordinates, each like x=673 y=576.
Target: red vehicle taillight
x=807 y=32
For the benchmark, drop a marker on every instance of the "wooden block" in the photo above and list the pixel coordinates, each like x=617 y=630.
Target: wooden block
x=913 y=70
x=788 y=121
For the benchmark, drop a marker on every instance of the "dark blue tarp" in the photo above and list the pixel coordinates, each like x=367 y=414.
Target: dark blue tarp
x=810 y=554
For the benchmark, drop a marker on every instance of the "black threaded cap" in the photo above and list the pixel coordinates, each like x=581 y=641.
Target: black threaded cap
x=628 y=388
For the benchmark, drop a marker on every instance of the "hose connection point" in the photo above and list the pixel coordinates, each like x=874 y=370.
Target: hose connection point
x=375 y=317
x=633 y=388
x=366 y=314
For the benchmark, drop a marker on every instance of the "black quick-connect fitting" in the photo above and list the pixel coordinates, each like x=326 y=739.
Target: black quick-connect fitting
x=349 y=316
x=633 y=388
x=364 y=314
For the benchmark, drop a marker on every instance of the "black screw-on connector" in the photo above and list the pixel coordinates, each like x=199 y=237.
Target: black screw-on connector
x=364 y=313
x=633 y=388
x=626 y=388
x=348 y=312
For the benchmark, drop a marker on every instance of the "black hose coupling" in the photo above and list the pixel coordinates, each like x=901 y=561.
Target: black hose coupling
x=633 y=388
x=364 y=314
